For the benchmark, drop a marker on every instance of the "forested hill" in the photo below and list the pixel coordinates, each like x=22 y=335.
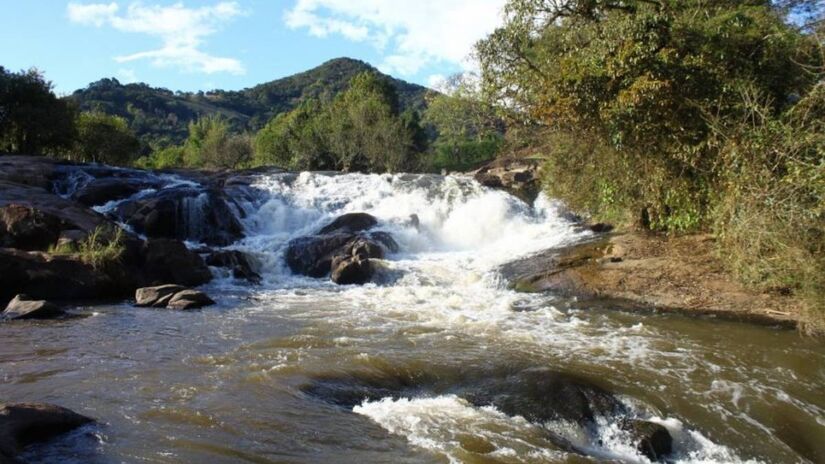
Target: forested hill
x=160 y=117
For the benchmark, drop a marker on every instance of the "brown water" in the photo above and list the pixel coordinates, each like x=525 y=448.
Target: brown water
x=226 y=384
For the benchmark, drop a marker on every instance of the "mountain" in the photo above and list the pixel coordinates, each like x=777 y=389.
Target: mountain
x=160 y=117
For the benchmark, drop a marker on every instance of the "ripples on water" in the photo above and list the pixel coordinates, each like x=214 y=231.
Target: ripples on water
x=224 y=384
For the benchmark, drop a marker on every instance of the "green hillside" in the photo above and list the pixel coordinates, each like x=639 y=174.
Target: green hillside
x=160 y=117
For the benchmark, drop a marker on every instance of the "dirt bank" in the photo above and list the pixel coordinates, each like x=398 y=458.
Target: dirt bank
x=641 y=271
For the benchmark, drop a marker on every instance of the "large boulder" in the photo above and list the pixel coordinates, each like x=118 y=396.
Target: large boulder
x=342 y=249
x=185 y=213
x=168 y=260
x=189 y=299
x=350 y=222
x=651 y=439
x=23 y=307
x=157 y=296
x=238 y=262
x=27 y=423
x=48 y=277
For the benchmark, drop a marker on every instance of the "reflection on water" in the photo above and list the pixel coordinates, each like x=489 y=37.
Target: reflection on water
x=225 y=384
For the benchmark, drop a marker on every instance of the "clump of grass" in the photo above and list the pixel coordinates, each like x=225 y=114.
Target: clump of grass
x=100 y=248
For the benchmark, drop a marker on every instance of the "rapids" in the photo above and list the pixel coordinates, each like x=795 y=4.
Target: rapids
x=227 y=384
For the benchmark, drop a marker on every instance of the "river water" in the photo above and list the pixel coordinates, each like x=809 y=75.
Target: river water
x=228 y=383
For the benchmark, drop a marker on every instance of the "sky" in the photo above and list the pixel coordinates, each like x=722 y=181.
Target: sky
x=201 y=45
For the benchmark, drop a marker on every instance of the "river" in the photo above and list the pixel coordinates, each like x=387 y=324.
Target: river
x=229 y=383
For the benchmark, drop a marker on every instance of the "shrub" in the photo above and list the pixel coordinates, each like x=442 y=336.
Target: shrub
x=101 y=248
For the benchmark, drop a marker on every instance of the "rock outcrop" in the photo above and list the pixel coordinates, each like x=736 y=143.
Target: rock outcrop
x=518 y=176
x=27 y=423
x=342 y=249
x=23 y=307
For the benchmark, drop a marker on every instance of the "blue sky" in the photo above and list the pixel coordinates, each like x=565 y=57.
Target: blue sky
x=201 y=45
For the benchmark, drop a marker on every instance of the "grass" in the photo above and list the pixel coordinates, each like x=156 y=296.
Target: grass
x=99 y=249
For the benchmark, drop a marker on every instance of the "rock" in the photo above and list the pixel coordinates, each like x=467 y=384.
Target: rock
x=518 y=176
x=27 y=423
x=189 y=299
x=185 y=213
x=350 y=222
x=157 y=296
x=46 y=277
x=71 y=238
x=542 y=395
x=22 y=307
x=168 y=260
x=601 y=227
x=351 y=270
x=235 y=260
x=312 y=255
x=102 y=191
x=652 y=439
x=26 y=228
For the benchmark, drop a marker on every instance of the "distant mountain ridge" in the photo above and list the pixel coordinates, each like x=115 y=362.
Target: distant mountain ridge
x=160 y=117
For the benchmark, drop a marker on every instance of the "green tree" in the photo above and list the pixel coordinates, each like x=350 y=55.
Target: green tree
x=211 y=145
x=33 y=120
x=295 y=140
x=104 y=139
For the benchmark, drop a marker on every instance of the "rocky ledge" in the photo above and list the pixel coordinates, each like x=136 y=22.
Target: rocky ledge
x=638 y=271
x=48 y=207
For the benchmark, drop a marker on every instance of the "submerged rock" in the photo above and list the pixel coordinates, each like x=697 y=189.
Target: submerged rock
x=23 y=307
x=27 y=423
x=652 y=440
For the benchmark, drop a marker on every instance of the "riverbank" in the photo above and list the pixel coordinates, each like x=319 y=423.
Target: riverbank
x=641 y=271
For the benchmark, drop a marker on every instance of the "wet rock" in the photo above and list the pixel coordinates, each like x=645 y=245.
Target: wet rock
x=312 y=255
x=27 y=228
x=651 y=439
x=189 y=299
x=184 y=213
x=102 y=191
x=542 y=395
x=168 y=260
x=351 y=270
x=601 y=227
x=518 y=176
x=23 y=307
x=46 y=277
x=27 y=423
x=350 y=222
x=157 y=296
x=237 y=261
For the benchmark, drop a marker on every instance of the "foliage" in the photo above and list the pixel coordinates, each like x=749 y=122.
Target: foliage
x=102 y=247
x=160 y=117
x=469 y=131
x=164 y=158
x=678 y=116
x=104 y=139
x=359 y=130
x=33 y=120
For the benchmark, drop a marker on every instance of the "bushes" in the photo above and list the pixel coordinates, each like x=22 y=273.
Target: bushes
x=678 y=116
x=102 y=138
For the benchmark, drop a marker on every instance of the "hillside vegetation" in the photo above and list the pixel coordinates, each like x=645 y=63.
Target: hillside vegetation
x=160 y=117
x=680 y=116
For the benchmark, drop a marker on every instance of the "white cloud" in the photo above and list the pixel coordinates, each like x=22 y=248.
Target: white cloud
x=181 y=30
x=127 y=75
x=411 y=34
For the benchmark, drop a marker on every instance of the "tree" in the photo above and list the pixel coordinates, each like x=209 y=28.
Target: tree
x=104 y=139
x=211 y=145
x=295 y=140
x=33 y=120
